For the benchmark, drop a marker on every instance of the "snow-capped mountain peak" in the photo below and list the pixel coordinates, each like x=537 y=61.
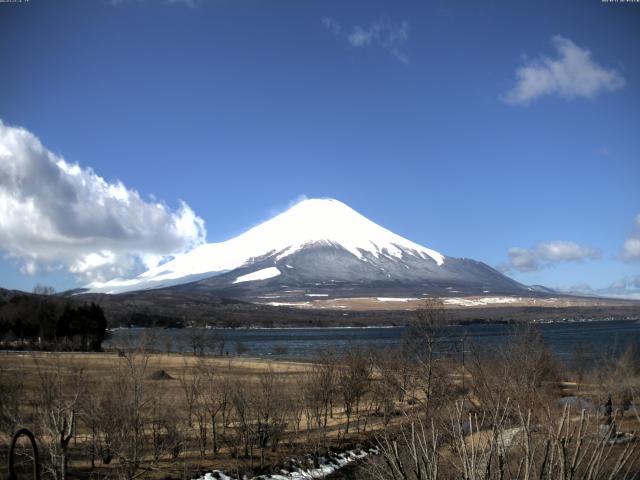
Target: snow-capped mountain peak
x=333 y=222
x=312 y=222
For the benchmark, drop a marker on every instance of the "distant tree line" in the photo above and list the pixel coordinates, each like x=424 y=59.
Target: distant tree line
x=45 y=321
x=147 y=320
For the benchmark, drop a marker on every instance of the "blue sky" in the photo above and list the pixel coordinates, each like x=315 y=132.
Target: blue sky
x=502 y=131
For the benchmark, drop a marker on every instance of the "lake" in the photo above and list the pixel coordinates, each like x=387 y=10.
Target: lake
x=563 y=338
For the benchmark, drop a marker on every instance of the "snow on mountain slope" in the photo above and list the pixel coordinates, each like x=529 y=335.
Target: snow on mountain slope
x=310 y=222
x=263 y=274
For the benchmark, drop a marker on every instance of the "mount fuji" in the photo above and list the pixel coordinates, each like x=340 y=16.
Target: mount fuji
x=321 y=248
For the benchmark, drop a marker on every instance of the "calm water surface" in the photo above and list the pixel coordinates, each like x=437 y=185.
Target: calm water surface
x=599 y=337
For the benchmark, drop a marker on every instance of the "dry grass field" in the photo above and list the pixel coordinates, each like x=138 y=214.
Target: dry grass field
x=175 y=383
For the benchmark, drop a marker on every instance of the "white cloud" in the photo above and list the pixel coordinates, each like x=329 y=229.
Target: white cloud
x=546 y=255
x=359 y=37
x=570 y=75
x=28 y=268
x=56 y=214
x=331 y=25
x=382 y=33
x=631 y=246
x=631 y=249
x=626 y=287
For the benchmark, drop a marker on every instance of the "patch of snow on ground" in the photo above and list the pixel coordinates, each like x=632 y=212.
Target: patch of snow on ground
x=473 y=302
x=263 y=274
x=326 y=466
x=395 y=299
x=508 y=436
x=287 y=304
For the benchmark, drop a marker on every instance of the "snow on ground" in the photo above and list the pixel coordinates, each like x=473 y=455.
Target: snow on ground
x=472 y=302
x=263 y=274
x=288 y=304
x=326 y=467
x=508 y=436
x=395 y=299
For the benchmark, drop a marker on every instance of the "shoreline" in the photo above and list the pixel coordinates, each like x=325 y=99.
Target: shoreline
x=541 y=321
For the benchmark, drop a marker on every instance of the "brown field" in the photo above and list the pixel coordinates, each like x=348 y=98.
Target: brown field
x=31 y=367
x=97 y=366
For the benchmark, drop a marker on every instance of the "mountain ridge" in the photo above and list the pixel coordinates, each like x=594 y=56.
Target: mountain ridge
x=320 y=244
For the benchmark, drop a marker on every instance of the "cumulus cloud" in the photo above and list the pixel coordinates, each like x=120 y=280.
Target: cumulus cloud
x=631 y=246
x=382 y=33
x=59 y=215
x=545 y=255
x=571 y=74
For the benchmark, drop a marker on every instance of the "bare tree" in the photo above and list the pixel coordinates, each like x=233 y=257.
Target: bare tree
x=241 y=401
x=189 y=382
x=216 y=342
x=512 y=428
x=296 y=406
x=57 y=409
x=166 y=437
x=11 y=405
x=40 y=289
x=213 y=393
x=387 y=387
x=564 y=448
x=196 y=338
x=318 y=388
x=269 y=406
x=126 y=401
x=241 y=348
x=207 y=396
x=201 y=413
x=524 y=371
x=426 y=345
x=353 y=380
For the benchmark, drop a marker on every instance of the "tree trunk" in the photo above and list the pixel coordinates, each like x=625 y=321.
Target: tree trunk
x=348 y=413
x=63 y=464
x=215 y=434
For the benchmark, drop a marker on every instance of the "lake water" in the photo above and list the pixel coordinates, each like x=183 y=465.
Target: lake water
x=599 y=337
